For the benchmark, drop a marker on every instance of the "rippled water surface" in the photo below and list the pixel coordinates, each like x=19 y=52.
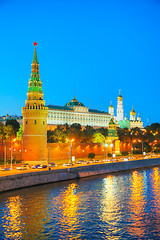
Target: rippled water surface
x=118 y=206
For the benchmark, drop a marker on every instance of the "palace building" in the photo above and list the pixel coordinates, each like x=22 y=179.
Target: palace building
x=76 y=112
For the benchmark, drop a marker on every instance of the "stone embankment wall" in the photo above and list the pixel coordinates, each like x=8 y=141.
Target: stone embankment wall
x=43 y=177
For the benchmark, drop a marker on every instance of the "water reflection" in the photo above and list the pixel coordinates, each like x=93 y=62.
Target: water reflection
x=155 y=177
x=136 y=205
x=12 y=222
x=69 y=216
x=118 y=206
x=110 y=209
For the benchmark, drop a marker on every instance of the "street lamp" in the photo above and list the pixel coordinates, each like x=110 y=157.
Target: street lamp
x=71 y=146
x=12 y=150
x=106 y=145
x=48 y=159
x=111 y=145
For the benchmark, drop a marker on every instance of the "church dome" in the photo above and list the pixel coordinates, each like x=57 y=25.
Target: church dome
x=74 y=103
x=132 y=112
x=110 y=106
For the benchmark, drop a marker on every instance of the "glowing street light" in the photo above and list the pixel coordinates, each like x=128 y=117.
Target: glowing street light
x=106 y=145
x=12 y=150
x=111 y=145
x=71 y=146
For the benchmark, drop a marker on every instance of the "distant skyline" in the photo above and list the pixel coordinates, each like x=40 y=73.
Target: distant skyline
x=92 y=48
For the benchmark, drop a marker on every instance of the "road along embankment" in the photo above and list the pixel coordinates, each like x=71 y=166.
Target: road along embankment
x=42 y=177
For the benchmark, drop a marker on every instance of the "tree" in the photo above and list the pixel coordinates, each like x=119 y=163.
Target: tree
x=88 y=134
x=14 y=124
x=1 y=131
x=59 y=135
x=20 y=133
x=91 y=155
x=8 y=132
x=103 y=131
x=98 y=138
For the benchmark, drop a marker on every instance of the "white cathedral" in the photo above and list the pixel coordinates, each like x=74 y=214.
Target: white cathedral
x=76 y=112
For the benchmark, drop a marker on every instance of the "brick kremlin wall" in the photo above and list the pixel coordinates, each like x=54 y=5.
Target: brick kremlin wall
x=60 y=151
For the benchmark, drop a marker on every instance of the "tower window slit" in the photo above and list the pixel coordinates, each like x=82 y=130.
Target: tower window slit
x=35 y=121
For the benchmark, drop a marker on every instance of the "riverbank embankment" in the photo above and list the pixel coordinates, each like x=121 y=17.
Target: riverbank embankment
x=11 y=182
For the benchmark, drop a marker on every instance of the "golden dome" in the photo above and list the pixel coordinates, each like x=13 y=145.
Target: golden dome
x=110 y=106
x=132 y=112
x=74 y=100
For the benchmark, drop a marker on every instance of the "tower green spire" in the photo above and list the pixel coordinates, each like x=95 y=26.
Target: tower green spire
x=112 y=129
x=35 y=84
x=35 y=59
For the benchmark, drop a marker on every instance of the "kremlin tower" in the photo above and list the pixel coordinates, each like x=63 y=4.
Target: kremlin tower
x=119 y=108
x=35 y=119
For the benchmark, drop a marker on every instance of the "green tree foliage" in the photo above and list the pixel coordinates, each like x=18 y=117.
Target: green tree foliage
x=91 y=155
x=88 y=134
x=98 y=138
x=109 y=154
x=1 y=131
x=150 y=136
x=14 y=124
x=103 y=131
x=59 y=135
x=20 y=133
x=124 y=153
x=8 y=132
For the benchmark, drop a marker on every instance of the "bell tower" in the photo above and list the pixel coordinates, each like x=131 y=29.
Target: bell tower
x=35 y=119
x=119 y=107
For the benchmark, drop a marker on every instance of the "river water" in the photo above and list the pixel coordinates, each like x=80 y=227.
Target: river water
x=116 y=206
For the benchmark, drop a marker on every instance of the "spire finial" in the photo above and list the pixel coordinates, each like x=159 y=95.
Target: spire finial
x=35 y=59
x=119 y=91
x=111 y=102
x=35 y=44
x=74 y=92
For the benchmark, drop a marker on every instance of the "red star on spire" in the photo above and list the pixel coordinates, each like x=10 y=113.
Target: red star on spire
x=35 y=44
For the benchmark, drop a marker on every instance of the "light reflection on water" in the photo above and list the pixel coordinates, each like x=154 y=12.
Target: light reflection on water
x=119 y=206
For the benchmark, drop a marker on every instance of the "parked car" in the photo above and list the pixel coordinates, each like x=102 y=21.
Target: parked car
x=91 y=161
x=44 y=166
x=5 y=169
x=52 y=164
x=36 y=166
x=67 y=164
x=96 y=161
x=86 y=162
x=24 y=166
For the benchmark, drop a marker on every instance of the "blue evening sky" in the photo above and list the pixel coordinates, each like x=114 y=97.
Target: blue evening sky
x=94 y=46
